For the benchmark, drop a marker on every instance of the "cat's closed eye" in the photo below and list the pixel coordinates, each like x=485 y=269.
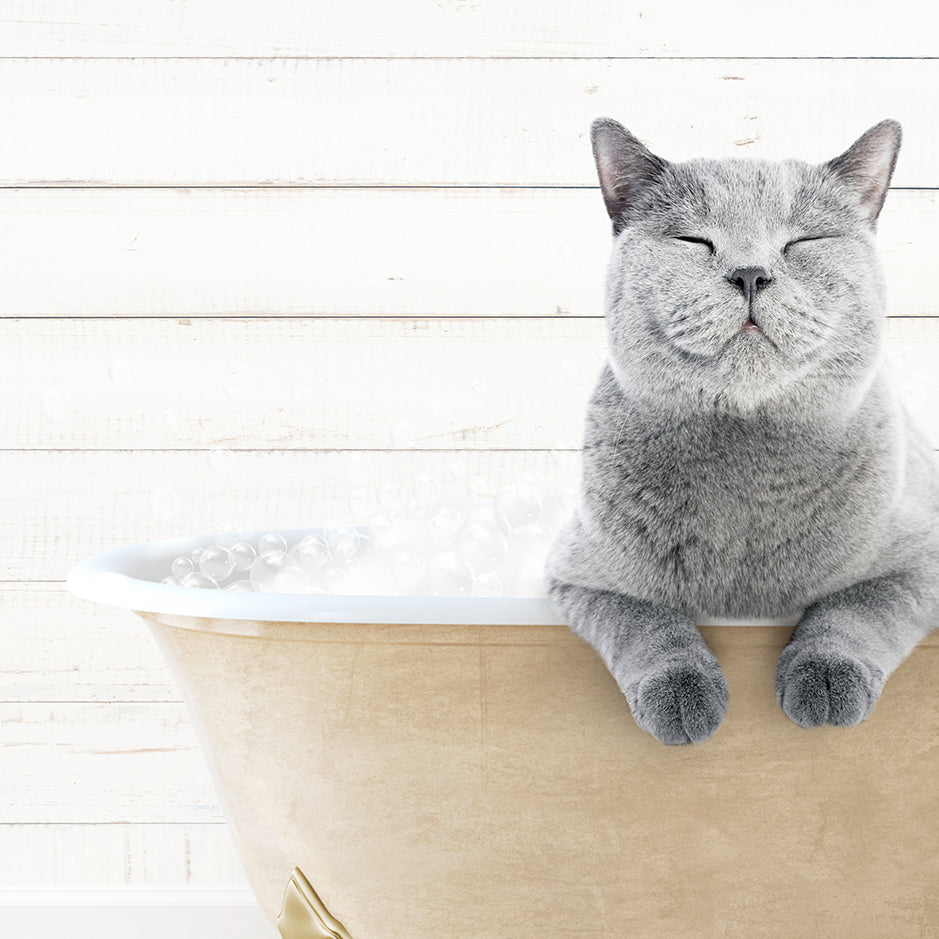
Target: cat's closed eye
x=807 y=238
x=693 y=239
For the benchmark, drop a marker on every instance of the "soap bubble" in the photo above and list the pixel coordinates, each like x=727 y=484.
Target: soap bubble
x=534 y=540
x=334 y=579
x=172 y=580
x=243 y=556
x=444 y=525
x=362 y=503
x=290 y=579
x=265 y=568
x=241 y=586
x=524 y=569
x=217 y=562
x=383 y=534
x=228 y=534
x=518 y=505
x=558 y=506
x=528 y=579
x=413 y=531
x=272 y=541
x=198 y=579
x=182 y=566
x=448 y=576
x=342 y=538
x=310 y=554
x=364 y=575
x=488 y=585
x=407 y=569
x=121 y=372
x=482 y=547
x=390 y=497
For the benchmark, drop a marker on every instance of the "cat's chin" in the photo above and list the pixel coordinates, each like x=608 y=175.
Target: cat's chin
x=750 y=370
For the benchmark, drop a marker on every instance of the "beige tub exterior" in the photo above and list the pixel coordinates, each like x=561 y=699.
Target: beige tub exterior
x=444 y=781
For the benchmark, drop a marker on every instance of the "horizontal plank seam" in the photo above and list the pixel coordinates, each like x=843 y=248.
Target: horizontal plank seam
x=461 y=58
x=3 y=825
x=442 y=318
x=324 y=450
x=182 y=186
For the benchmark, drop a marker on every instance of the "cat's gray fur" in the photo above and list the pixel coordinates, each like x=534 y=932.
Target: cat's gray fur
x=748 y=473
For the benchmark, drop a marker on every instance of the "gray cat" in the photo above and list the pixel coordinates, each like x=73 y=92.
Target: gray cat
x=745 y=454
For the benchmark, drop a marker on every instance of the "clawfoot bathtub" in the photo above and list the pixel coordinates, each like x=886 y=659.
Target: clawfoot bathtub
x=438 y=768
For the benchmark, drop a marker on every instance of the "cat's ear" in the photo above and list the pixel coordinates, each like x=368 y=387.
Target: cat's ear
x=867 y=165
x=624 y=166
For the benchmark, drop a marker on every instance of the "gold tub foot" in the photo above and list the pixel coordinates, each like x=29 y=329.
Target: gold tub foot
x=303 y=915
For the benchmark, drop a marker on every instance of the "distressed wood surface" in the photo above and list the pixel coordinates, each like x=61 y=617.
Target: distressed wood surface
x=115 y=854
x=122 y=424
x=58 y=507
x=389 y=252
x=443 y=122
x=322 y=383
x=85 y=762
x=55 y=647
x=463 y=28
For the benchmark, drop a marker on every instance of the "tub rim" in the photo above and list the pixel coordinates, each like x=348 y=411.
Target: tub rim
x=124 y=577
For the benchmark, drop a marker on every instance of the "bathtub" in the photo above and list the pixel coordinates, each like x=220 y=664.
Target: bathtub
x=437 y=768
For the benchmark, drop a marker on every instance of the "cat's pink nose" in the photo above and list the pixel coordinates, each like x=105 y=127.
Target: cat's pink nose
x=750 y=280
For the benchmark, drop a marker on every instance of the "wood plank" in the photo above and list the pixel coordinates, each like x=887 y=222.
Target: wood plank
x=286 y=384
x=56 y=647
x=428 y=252
x=461 y=27
x=81 y=762
x=58 y=507
x=141 y=912
x=119 y=854
x=298 y=383
x=394 y=122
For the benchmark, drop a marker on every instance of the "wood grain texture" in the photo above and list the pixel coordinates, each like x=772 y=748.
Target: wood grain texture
x=462 y=28
x=57 y=648
x=442 y=122
x=121 y=423
x=102 y=762
x=389 y=252
x=115 y=854
x=322 y=383
x=292 y=383
x=58 y=507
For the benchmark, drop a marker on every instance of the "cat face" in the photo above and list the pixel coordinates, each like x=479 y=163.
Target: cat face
x=736 y=282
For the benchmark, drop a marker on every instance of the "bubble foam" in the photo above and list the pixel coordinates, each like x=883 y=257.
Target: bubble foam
x=494 y=547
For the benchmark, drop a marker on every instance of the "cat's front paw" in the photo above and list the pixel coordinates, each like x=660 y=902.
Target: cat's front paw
x=816 y=686
x=681 y=702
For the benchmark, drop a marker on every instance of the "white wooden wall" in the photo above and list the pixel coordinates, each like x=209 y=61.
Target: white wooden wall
x=255 y=256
